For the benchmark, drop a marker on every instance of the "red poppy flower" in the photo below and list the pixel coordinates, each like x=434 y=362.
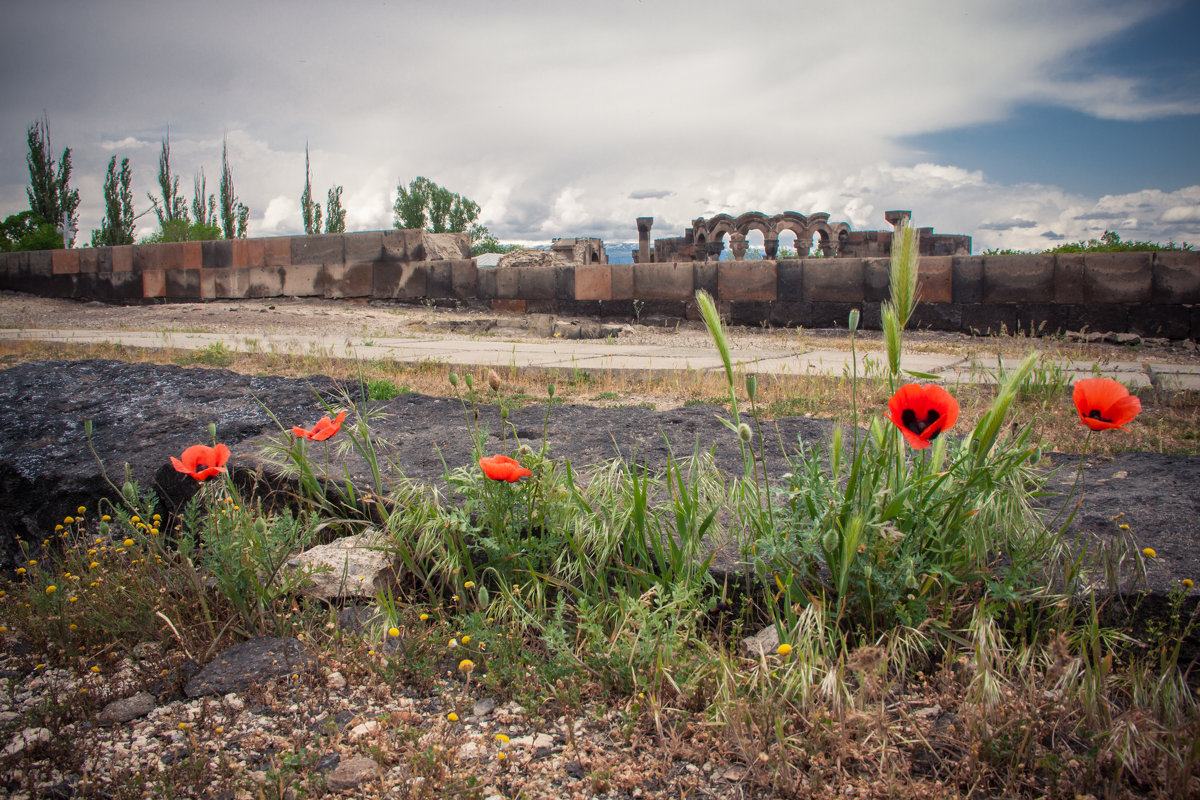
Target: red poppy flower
x=201 y=461
x=324 y=428
x=1104 y=403
x=503 y=468
x=922 y=413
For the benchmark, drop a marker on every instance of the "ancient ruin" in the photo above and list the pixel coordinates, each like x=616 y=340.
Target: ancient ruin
x=705 y=241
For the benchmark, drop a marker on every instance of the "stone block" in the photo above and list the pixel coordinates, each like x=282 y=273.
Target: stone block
x=932 y=316
x=229 y=282
x=790 y=313
x=154 y=283
x=1017 y=279
x=668 y=281
x=752 y=313
x=362 y=246
x=617 y=308
x=509 y=305
x=89 y=260
x=789 y=280
x=402 y=245
x=264 y=281
x=216 y=254
x=145 y=256
x=1194 y=333
x=1068 y=279
x=622 y=282
x=1040 y=319
x=746 y=281
x=464 y=279
x=125 y=285
x=838 y=280
x=534 y=283
x=1172 y=321
x=967 y=281
x=593 y=282
x=440 y=280
x=183 y=284
x=1097 y=317
x=193 y=255
x=1118 y=277
x=39 y=263
x=328 y=248
x=663 y=309
x=64 y=262
x=546 y=307
x=564 y=283
x=303 y=280
x=486 y=283
x=1176 y=276
x=277 y=251
x=401 y=281
x=935 y=279
x=988 y=318
x=104 y=258
x=706 y=276
x=830 y=314
x=352 y=279
x=506 y=283
x=122 y=258
x=446 y=246
x=245 y=251
x=171 y=255
x=877 y=279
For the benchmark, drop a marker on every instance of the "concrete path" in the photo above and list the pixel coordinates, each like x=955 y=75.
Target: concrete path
x=599 y=355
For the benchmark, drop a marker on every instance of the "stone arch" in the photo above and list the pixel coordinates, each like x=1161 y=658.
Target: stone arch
x=753 y=221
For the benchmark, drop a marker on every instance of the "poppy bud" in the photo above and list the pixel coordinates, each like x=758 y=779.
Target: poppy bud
x=454 y=379
x=751 y=386
x=493 y=380
x=550 y=389
x=484 y=597
x=744 y=432
x=470 y=381
x=212 y=431
x=829 y=540
x=260 y=525
x=854 y=314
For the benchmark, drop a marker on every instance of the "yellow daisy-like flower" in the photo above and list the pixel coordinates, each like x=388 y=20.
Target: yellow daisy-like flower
x=51 y=589
x=393 y=632
x=784 y=649
x=81 y=510
x=466 y=665
x=424 y=617
x=454 y=642
x=68 y=520
x=135 y=519
x=128 y=542
x=58 y=528
x=73 y=626
x=452 y=717
x=106 y=518
x=94 y=564
x=466 y=640
x=1148 y=552
x=469 y=585
x=1187 y=583
x=500 y=737
x=95 y=669
x=501 y=756
x=1124 y=527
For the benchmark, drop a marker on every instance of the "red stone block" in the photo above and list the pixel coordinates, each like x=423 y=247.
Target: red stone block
x=277 y=251
x=154 y=283
x=65 y=262
x=509 y=306
x=622 y=281
x=935 y=279
x=746 y=280
x=593 y=282
x=122 y=258
x=193 y=255
x=667 y=281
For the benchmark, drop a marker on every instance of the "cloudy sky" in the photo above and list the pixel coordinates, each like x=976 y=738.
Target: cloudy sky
x=1021 y=123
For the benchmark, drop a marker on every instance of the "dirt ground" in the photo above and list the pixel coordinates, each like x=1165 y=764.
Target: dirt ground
x=348 y=317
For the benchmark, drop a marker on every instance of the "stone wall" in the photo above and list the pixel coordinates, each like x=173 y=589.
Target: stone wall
x=1152 y=294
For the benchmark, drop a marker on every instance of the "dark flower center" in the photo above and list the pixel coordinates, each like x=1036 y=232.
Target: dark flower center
x=1095 y=414
x=909 y=418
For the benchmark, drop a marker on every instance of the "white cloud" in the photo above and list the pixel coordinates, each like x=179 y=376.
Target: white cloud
x=278 y=217
x=1182 y=214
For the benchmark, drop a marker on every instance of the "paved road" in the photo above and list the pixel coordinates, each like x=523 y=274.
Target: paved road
x=598 y=355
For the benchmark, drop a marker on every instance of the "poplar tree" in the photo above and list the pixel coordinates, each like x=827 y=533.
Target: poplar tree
x=116 y=227
x=51 y=197
x=310 y=208
x=234 y=214
x=335 y=215
x=172 y=207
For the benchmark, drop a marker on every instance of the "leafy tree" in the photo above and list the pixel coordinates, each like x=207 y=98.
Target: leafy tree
x=426 y=205
x=172 y=207
x=183 y=230
x=116 y=227
x=309 y=208
x=51 y=197
x=1110 y=242
x=335 y=215
x=234 y=214
x=28 y=231
x=203 y=209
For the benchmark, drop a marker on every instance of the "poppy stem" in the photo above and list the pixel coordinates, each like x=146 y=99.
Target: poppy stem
x=1078 y=484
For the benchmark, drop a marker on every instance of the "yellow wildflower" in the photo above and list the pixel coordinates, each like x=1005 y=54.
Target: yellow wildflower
x=1187 y=583
x=452 y=717
x=784 y=649
x=466 y=665
x=393 y=631
x=1148 y=552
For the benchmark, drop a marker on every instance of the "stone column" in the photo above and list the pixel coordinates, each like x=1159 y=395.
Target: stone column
x=739 y=246
x=644 y=224
x=714 y=250
x=771 y=247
